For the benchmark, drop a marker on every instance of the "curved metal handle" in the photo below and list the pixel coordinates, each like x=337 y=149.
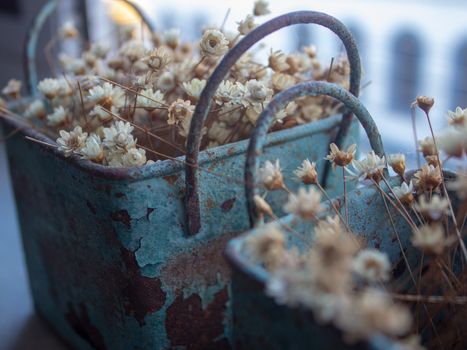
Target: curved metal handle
x=204 y=103
x=279 y=101
x=32 y=37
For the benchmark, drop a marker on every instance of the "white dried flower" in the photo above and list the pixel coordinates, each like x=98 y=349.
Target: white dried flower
x=12 y=89
x=36 y=109
x=59 y=116
x=68 y=30
x=435 y=208
x=307 y=172
x=404 y=192
x=158 y=59
x=427 y=147
x=180 y=110
x=100 y=49
x=150 y=99
x=397 y=163
x=428 y=178
x=118 y=136
x=453 y=142
x=134 y=157
x=270 y=175
x=213 y=43
x=429 y=238
x=261 y=8
x=69 y=142
x=171 y=37
x=107 y=96
x=76 y=66
x=458 y=117
x=459 y=185
x=372 y=265
x=370 y=168
x=339 y=157
x=305 y=204
x=257 y=91
x=266 y=246
x=194 y=87
x=133 y=50
x=247 y=25
x=277 y=61
x=93 y=149
x=229 y=92
x=102 y=113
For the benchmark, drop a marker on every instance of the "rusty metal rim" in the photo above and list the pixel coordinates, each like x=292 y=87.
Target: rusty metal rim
x=167 y=167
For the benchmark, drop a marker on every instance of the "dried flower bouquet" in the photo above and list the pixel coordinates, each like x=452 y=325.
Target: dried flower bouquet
x=385 y=261
x=128 y=105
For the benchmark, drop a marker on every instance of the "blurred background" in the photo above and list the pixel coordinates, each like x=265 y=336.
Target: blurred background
x=408 y=48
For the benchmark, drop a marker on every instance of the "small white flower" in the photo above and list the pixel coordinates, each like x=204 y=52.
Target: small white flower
x=150 y=99
x=100 y=49
x=229 y=92
x=107 y=96
x=247 y=25
x=171 y=37
x=158 y=59
x=372 y=265
x=257 y=91
x=261 y=8
x=435 y=209
x=429 y=238
x=93 y=149
x=194 y=87
x=133 y=50
x=103 y=114
x=12 y=89
x=36 y=109
x=458 y=117
x=219 y=131
x=404 y=192
x=397 y=163
x=305 y=204
x=118 y=136
x=166 y=81
x=213 y=43
x=72 y=65
x=52 y=88
x=58 y=117
x=69 y=142
x=134 y=157
x=459 y=185
x=369 y=168
x=179 y=110
x=307 y=172
x=453 y=142
x=68 y=30
x=270 y=175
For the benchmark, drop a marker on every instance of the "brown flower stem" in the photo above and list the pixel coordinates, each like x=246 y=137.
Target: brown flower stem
x=408 y=217
x=40 y=142
x=432 y=299
x=414 y=129
x=454 y=220
x=323 y=191
x=345 y=196
x=197 y=64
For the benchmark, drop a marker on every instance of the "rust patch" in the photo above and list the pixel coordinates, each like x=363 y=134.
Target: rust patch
x=200 y=267
x=81 y=324
x=141 y=295
x=231 y=151
x=171 y=179
x=228 y=204
x=210 y=203
x=183 y=314
x=123 y=217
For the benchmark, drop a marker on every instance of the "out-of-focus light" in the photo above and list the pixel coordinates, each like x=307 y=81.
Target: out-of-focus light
x=122 y=13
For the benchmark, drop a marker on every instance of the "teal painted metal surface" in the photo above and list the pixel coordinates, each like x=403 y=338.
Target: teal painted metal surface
x=261 y=323
x=111 y=261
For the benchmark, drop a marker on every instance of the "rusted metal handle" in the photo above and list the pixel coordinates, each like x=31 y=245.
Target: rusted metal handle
x=279 y=102
x=32 y=37
x=204 y=103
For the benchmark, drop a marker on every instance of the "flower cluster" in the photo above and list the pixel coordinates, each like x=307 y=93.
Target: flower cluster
x=154 y=82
